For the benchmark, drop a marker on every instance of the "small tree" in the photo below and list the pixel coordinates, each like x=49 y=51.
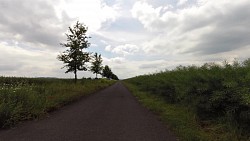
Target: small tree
x=96 y=67
x=74 y=57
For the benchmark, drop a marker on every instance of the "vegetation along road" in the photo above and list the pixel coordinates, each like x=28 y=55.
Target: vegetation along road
x=112 y=114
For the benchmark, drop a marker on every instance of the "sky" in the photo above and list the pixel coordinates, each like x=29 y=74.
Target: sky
x=134 y=37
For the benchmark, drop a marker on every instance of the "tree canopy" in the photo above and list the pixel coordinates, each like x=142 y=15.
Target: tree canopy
x=108 y=73
x=75 y=58
x=96 y=64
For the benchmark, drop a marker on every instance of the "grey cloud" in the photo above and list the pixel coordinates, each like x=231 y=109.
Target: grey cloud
x=230 y=32
x=9 y=63
x=154 y=65
x=30 y=21
x=222 y=40
x=126 y=24
x=213 y=28
x=148 y=66
x=9 y=67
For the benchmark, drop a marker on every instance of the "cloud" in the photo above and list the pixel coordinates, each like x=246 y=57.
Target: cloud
x=108 y=48
x=32 y=30
x=116 y=60
x=127 y=49
x=17 y=61
x=154 y=65
x=93 y=13
x=134 y=37
x=123 y=68
x=146 y=14
x=209 y=27
x=182 y=2
x=8 y=67
x=126 y=68
x=43 y=22
x=31 y=22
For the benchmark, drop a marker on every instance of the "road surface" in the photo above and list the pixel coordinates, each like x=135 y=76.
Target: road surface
x=112 y=114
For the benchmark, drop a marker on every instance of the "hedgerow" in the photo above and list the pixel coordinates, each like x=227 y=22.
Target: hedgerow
x=216 y=93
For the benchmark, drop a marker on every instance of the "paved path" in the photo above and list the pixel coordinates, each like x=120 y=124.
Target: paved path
x=112 y=114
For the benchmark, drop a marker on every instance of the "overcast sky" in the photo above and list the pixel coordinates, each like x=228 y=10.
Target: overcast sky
x=134 y=36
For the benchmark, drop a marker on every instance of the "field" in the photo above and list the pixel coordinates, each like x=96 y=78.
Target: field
x=30 y=98
x=210 y=102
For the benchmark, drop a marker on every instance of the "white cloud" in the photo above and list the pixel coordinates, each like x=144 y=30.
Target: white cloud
x=182 y=2
x=116 y=60
x=127 y=49
x=104 y=42
x=108 y=48
x=92 y=12
x=146 y=14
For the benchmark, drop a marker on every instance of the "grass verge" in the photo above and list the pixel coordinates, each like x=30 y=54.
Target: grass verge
x=29 y=98
x=180 y=120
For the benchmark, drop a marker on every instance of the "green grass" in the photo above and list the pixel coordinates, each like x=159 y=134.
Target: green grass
x=214 y=98
x=180 y=120
x=30 y=98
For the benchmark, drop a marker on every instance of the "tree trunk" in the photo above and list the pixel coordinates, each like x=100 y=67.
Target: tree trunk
x=96 y=76
x=75 y=75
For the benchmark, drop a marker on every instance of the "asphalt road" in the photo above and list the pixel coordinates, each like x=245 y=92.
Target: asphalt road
x=112 y=114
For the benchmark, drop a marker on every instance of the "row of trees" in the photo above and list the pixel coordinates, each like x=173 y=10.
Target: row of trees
x=76 y=58
x=97 y=68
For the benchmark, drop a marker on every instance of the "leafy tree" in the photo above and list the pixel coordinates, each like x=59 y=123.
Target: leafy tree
x=114 y=77
x=74 y=57
x=108 y=73
x=96 y=67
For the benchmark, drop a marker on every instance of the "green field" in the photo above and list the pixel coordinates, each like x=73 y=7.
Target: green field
x=210 y=102
x=30 y=98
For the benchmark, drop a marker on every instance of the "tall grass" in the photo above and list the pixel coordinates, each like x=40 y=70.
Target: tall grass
x=29 y=98
x=219 y=95
x=178 y=118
